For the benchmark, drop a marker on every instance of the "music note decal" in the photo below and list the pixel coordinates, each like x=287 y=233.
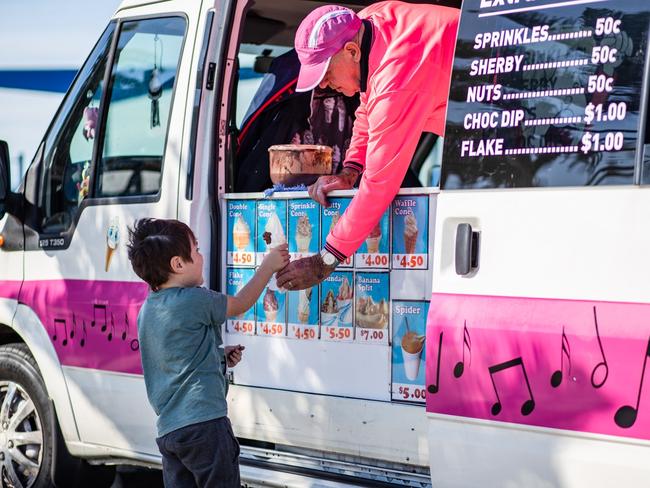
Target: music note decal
x=82 y=342
x=112 y=331
x=125 y=331
x=96 y=307
x=556 y=377
x=433 y=388
x=626 y=415
x=57 y=323
x=601 y=364
x=467 y=342
x=529 y=405
x=74 y=326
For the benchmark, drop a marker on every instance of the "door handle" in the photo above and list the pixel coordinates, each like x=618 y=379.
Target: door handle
x=467 y=244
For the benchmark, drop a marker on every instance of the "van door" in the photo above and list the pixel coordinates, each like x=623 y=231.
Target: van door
x=112 y=156
x=539 y=325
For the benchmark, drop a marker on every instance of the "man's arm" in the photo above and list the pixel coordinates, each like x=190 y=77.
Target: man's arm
x=396 y=120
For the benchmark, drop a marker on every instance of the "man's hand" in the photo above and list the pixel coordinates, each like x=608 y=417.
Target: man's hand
x=233 y=354
x=325 y=184
x=304 y=273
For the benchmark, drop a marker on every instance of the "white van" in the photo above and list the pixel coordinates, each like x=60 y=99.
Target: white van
x=527 y=283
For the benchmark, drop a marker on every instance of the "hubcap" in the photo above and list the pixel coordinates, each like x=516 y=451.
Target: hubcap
x=21 y=437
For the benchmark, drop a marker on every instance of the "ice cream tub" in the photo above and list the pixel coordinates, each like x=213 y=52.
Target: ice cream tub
x=374 y=251
x=270 y=313
x=302 y=314
x=240 y=240
x=408 y=350
x=329 y=218
x=295 y=164
x=410 y=224
x=371 y=307
x=236 y=279
x=304 y=228
x=336 y=311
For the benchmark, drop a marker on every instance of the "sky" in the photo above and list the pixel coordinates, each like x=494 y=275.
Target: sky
x=42 y=34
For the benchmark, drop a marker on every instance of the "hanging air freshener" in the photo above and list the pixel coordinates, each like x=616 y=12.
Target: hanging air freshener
x=155 y=84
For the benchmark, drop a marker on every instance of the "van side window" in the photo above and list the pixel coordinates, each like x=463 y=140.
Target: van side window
x=140 y=95
x=66 y=169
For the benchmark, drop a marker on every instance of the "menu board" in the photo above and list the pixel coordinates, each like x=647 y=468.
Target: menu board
x=374 y=250
x=270 y=311
x=240 y=247
x=302 y=310
x=336 y=307
x=271 y=226
x=545 y=93
x=409 y=331
x=330 y=216
x=236 y=279
x=304 y=228
x=372 y=312
x=410 y=232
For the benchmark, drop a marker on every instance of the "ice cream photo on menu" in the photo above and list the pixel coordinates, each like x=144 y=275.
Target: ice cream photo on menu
x=271 y=230
x=240 y=245
x=304 y=228
x=408 y=349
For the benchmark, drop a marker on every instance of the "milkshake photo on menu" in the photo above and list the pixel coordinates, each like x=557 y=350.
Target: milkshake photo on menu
x=304 y=228
x=329 y=218
x=270 y=313
x=373 y=252
x=240 y=244
x=336 y=299
x=410 y=216
x=302 y=312
x=408 y=354
x=271 y=230
x=372 y=309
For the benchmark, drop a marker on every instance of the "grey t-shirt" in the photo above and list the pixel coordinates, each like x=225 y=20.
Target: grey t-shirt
x=179 y=330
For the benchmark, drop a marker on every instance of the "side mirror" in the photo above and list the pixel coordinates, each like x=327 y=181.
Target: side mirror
x=5 y=177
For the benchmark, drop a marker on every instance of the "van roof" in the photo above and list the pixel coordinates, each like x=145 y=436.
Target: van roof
x=137 y=3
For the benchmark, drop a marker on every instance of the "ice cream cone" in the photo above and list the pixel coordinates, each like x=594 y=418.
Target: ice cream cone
x=303 y=316
x=409 y=242
x=241 y=239
x=270 y=315
x=109 y=255
x=372 y=243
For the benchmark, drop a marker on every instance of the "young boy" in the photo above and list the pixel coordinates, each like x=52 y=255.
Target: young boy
x=183 y=358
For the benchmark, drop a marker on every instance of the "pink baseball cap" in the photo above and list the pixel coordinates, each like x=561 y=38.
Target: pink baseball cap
x=320 y=36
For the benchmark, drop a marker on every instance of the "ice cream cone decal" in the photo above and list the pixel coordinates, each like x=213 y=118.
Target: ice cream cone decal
x=112 y=240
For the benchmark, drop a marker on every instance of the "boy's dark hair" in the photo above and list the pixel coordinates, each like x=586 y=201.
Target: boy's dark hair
x=152 y=245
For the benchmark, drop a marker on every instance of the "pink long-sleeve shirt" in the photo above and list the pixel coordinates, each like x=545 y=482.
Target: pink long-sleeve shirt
x=405 y=93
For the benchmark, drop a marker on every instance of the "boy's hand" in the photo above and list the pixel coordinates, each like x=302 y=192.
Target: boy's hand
x=233 y=354
x=277 y=258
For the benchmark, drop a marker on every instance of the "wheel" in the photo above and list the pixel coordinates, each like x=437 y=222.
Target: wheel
x=25 y=433
x=30 y=435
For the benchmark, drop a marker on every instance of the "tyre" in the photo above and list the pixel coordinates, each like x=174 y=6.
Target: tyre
x=29 y=433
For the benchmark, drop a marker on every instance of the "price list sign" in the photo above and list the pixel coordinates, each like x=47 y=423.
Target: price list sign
x=240 y=242
x=408 y=355
x=410 y=232
x=372 y=311
x=235 y=281
x=302 y=311
x=330 y=217
x=270 y=313
x=545 y=93
x=373 y=252
x=304 y=228
x=336 y=307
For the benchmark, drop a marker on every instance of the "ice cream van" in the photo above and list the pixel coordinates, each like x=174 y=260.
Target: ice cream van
x=492 y=330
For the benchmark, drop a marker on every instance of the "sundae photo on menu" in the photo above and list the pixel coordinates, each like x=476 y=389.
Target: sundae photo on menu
x=372 y=310
x=408 y=350
x=371 y=315
x=344 y=303
x=329 y=311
